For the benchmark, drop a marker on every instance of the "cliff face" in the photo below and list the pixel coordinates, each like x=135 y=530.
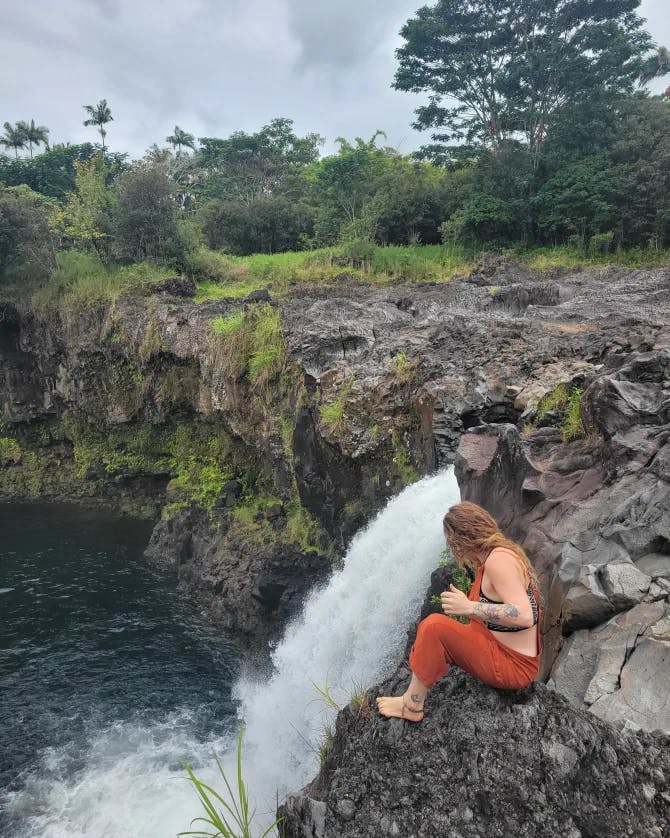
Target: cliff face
x=582 y=480
x=265 y=458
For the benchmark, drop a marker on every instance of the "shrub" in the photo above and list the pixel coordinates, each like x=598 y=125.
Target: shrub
x=26 y=245
x=144 y=225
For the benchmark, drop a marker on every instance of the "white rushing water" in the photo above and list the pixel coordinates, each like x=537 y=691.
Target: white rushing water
x=348 y=636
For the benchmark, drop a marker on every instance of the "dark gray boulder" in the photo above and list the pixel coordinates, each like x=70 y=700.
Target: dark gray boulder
x=485 y=764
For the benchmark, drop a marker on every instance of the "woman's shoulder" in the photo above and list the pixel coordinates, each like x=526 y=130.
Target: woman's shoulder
x=501 y=555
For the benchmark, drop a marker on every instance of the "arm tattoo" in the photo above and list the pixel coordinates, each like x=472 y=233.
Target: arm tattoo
x=494 y=613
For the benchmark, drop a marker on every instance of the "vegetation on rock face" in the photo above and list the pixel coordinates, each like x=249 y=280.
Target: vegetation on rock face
x=10 y=451
x=251 y=344
x=563 y=401
x=332 y=413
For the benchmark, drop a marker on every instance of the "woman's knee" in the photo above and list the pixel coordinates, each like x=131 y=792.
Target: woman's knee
x=433 y=624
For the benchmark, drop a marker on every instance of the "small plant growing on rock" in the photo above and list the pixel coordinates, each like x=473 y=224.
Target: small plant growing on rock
x=332 y=414
x=573 y=426
x=403 y=369
x=10 y=451
x=325 y=695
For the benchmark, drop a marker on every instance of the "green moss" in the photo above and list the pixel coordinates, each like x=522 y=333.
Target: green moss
x=126 y=385
x=402 y=459
x=10 y=451
x=195 y=455
x=171 y=509
x=304 y=530
x=298 y=527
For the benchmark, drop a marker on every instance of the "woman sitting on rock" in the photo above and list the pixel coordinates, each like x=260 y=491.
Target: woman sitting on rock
x=501 y=643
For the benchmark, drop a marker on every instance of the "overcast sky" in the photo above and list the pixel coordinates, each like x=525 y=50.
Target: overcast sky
x=215 y=66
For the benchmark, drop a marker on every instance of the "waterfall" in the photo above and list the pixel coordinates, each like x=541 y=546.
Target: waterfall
x=348 y=636
x=127 y=778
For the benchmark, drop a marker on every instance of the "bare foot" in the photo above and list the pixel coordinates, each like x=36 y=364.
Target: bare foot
x=396 y=707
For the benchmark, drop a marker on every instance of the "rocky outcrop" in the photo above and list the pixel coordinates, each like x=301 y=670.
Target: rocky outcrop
x=485 y=764
x=249 y=587
x=595 y=516
x=378 y=386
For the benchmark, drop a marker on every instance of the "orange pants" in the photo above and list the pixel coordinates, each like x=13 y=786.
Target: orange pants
x=441 y=641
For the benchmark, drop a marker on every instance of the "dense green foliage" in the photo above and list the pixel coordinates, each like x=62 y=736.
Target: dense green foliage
x=560 y=146
x=513 y=66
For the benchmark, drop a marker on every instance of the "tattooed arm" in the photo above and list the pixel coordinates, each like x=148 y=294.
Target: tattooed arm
x=504 y=580
x=503 y=614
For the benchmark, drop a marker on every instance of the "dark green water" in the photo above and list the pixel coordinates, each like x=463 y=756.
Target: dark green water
x=108 y=681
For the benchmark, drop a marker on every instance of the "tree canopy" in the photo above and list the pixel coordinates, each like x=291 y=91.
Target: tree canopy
x=512 y=65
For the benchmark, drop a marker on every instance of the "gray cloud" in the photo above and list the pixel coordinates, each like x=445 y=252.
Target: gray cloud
x=345 y=35
x=214 y=66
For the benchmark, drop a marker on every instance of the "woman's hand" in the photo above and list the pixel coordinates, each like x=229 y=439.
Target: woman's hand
x=456 y=603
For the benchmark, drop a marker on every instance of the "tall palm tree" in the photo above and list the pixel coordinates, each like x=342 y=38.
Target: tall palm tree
x=34 y=134
x=14 y=137
x=181 y=138
x=657 y=65
x=99 y=115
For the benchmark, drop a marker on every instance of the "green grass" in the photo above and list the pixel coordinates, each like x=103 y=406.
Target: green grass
x=573 y=426
x=234 y=277
x=81 y=279
x=229 y=816
x=250 y=343
x=332 y=413
x=557 y=400
x=403 y=369
x=229 y=325
x=545 y=258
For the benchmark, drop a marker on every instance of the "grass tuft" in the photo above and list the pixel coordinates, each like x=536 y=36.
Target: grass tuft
x=228 y=817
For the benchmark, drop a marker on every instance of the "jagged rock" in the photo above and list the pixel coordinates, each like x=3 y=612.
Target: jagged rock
x=624 y=584
x=250 y=589
x=656 y=565
x=599 y=667
x=485 y=764
x=585 y=510
x=177 y=287
x=517 y=298
x=468 y=362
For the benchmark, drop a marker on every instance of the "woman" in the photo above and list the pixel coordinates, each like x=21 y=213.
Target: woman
x=501 y=644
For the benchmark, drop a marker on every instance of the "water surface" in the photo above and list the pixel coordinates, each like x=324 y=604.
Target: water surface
x=108 y=681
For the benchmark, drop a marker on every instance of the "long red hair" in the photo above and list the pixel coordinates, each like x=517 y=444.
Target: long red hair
x=472 y=534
